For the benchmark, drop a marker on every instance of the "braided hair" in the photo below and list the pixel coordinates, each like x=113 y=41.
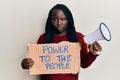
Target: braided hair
x=49 y=29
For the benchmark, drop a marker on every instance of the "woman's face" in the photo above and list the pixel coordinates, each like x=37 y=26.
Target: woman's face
x=59 y=22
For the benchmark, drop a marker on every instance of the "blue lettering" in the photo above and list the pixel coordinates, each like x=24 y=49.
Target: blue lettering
x=45 y=48
x=62 y=58
x=51 y=49
x=57 y=65
x=55 y=50
x=68 y=65
x=66 y=48
x=69 y=58
x=45 y=58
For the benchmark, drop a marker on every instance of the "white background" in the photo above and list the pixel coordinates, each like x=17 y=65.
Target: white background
x=22 y=21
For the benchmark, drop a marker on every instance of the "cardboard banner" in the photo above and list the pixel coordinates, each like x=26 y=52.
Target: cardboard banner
x=63 y=57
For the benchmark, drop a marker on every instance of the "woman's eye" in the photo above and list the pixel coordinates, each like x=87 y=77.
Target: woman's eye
x=63 y=19
x=54 y=19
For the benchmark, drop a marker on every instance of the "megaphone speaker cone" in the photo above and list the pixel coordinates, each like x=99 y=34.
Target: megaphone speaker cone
x=105 y=32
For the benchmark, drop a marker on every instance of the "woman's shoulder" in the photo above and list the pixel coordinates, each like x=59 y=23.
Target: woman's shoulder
x=42 y=35
x=79 y=34
x=80 y=37
x=41 y=38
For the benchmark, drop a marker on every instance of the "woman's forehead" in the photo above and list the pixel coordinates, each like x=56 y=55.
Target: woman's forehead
x=58 y=12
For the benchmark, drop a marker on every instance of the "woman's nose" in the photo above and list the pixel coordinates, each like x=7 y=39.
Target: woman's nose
x=58 y=22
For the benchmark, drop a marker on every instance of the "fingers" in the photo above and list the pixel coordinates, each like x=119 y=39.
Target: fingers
x=95 y=47
x=27 y=63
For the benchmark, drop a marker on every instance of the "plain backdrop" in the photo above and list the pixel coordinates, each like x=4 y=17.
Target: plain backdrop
x=23 y=21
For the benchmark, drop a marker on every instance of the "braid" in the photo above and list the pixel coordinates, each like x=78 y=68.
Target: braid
x=71 y=32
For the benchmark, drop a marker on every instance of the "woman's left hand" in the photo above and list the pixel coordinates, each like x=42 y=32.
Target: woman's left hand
x=95 y=47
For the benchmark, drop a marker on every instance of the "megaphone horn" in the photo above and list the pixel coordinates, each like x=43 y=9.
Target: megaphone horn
x=102 y=33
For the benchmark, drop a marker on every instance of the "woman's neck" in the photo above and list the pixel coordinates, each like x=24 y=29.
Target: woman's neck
x=61 y=34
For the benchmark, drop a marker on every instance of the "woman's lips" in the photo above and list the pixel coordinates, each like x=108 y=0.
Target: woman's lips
x=59 y=28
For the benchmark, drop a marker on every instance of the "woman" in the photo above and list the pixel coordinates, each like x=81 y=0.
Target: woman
x=60 y=27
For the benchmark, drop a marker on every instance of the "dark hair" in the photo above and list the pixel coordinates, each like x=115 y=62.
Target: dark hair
x=71 y=32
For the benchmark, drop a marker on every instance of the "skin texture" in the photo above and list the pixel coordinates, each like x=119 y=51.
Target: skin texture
x=95 y=47
x=60 y=24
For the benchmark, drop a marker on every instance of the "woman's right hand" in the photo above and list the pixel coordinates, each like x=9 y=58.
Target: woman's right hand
x=27 y=63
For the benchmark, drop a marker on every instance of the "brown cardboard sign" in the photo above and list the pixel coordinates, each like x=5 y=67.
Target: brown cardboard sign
x=54 y=58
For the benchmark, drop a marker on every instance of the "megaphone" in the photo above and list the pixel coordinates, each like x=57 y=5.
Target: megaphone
x=102 y=33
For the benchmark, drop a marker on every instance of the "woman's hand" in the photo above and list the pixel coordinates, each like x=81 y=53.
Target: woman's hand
x=27 y=63
x=95 y=47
